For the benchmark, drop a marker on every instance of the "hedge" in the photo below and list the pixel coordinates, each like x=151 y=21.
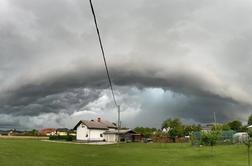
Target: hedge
x=65 y=138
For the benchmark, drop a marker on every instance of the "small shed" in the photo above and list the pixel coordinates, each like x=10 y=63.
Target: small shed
x=240 y=137
x=126 y=135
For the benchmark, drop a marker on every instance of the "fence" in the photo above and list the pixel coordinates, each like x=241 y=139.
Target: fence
x=166 y=139
x=225 y=137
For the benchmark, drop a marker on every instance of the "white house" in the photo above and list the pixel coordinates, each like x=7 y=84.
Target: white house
x=96 y=130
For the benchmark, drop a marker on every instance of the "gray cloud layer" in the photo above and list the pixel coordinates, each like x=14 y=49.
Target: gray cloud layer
x=52 y=73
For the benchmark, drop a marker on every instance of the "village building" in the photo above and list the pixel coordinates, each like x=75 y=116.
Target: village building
x=47 y=131
x=94 y=130
x=4 y=133
x=125 y=135
x=72 y=132
x=62 y=131
x=101 y=130
x=14 y=132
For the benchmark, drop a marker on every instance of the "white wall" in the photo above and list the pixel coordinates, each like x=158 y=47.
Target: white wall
x=110 y=137
x=85 y=134
x=82 y=131
x=95 y=135
x=111 y=129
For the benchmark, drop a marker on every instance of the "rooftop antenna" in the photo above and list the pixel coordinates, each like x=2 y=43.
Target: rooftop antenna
x=107 y=70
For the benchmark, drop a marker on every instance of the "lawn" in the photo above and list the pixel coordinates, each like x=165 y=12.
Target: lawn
x=25 y=152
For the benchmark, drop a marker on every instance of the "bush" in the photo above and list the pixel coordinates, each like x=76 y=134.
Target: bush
x=209 y=138
x=64 y=138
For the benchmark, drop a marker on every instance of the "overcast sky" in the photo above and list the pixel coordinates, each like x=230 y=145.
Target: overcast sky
x=167 y=58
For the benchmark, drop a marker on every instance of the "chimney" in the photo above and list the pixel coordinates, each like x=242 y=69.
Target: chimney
x=98 y=119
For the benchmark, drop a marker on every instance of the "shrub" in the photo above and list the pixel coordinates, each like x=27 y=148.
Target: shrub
x=65 y=138
x=209 y=138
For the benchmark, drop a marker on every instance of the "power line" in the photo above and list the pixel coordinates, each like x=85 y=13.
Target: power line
x=103 y=54
x=107 y=71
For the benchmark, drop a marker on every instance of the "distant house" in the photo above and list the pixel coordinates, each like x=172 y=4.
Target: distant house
x=166 y=130
x=208 y=127
x=48 y=131
x=58 y=131
x=14 y=132
x=62 y=131
x=94 y=130
x=4 y=133
x=72 y=132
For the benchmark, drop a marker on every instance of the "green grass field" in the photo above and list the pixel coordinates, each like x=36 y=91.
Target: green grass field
x=16 y=152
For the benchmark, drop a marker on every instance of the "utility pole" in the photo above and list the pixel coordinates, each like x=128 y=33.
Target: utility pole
x=248 y=144
x=249 y=152
x=214 y=119
x=118 y=124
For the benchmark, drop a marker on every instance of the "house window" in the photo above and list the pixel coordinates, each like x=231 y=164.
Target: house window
x=101 y=135
x=86 y=135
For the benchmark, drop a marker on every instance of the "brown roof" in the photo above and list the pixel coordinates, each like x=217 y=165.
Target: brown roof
x=47 y=130
x=97 y=124
x=92 y=125
x=108 y=124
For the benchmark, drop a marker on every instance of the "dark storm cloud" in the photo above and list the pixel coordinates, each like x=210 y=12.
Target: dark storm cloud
x=67 y=101
x=158 y=105
x=51 y=68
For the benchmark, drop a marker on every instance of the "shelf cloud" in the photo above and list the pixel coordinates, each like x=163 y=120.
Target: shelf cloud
x=166 y=59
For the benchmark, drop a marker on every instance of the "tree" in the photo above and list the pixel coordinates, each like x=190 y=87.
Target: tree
x=244 y=128
x=175 y=127
x=188 y=129
x=250 y=120
x=145 y=131
x=34 y=132
x=171 y=123
x=209 y=138
x=226 y=127
x=217 y=127
x=235 y=125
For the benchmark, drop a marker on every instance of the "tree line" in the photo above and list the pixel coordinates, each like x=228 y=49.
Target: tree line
x=175 y=128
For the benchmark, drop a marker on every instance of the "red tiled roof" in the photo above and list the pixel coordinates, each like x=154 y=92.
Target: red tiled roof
x=47 y=130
